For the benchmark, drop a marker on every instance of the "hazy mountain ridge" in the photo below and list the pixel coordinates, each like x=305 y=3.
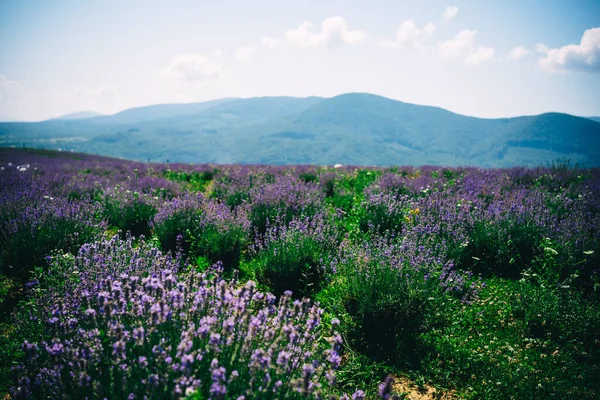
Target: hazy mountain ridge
x=78 y=115
x=158 y=111
x=354 y=128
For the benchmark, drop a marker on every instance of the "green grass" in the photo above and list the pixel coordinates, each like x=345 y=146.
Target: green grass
x=519 y=340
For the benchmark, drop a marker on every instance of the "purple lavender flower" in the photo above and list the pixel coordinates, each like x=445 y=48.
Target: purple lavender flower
x=385 y=388
x=117 y=316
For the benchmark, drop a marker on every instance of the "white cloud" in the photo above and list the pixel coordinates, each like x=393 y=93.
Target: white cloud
x=517 y=53
x=584 y=56
x=191 y=68
x=409 y=35
x=450 y=13
x=480 y=55
x=270 y=42
x=244 y=53
x=541 y=48
x=334 y=32
x=464 y=46
x=460 y=45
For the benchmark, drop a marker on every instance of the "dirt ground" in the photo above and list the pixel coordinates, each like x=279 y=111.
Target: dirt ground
x=412 y=392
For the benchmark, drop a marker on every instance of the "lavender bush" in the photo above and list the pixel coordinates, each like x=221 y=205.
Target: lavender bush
x=203 y=228
x=387 y=292
x=130 y=211
x=33 y=224
x=175 y=222
x=287 y=197
x=383 y=212
x=126 y=324
x=299 y=257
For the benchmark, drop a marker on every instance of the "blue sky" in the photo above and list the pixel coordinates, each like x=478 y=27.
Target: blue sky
x=479 y=58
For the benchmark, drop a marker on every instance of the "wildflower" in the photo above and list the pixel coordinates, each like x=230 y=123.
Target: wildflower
x=32 y=284
x=56 y=349
x=385 y=388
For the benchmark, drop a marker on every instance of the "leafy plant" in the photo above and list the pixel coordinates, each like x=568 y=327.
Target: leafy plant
x=384 y=306
x=129 y=211
x=29 y=234
x=297 y=258
x=504 y=248
x=201 y=227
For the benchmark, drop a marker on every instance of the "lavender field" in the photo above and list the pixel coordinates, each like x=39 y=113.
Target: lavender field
x=127 y=280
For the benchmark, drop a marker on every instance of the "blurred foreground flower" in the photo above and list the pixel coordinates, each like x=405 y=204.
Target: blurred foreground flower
x=134 y=324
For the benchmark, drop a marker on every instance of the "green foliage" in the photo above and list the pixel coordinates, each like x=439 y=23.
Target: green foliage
x=196 y=181
x=219 y=244
x=93 y=194
x=379 y=218
x=184 y=222
x=343 y=201
x=187 y=230
x=129 y=215
x=309 y=177
x=296 y=262
x=28 y=246
x=202 y=264
x=384 y=308
x=22 y=326
x=358 y=217
x=359 y=181
x=344 y=192
x=519 y=340
x=360 y=372
x=329 y=188
x=547 y=266
x=234 y=199
x=565 y=260
x=195 y=396
x=504 y=248
x=6 y=286
x=264 y=215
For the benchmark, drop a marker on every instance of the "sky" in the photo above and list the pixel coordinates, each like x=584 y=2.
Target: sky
x=478 y=58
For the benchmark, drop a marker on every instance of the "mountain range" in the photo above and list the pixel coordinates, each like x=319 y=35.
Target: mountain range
x=78 y=115
x=350 y=129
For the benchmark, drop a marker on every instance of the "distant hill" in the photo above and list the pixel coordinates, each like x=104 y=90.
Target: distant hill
x=354 y=128
x=78 y=115
x=158 y=111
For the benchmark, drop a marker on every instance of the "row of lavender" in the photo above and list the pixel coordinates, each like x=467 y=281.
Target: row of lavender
x=245 y=206
x=379 y=248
